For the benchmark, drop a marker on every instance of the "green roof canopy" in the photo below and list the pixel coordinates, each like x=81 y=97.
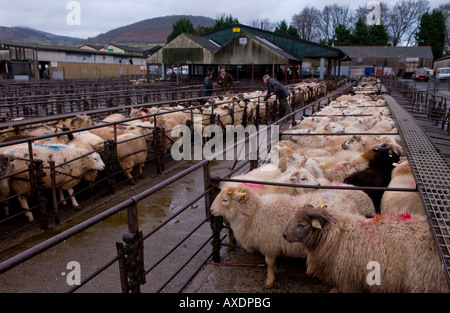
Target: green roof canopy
x=296 y=47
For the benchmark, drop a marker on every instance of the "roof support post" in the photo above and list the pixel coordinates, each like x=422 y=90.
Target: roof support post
x=322 y=67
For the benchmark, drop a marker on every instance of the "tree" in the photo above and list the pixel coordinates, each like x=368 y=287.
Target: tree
x=183 y=25
x=307 y=24
x=445 y=8
x=432 y=32
x=343 y=36
x=378 y=35
x=361 y=34
x=331 y=17
x=264 y=24
x=223 y=20
x=292 y=31
x=282 y=28
x=403 y=20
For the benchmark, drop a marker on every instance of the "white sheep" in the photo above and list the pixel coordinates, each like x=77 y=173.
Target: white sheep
x=69 y=161
x=343 y=248
x=258 y=224
x=131 y=151
x=402 y=201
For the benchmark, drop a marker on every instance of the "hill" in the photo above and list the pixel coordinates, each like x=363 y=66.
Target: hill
x=154 y=30
x=33 y=36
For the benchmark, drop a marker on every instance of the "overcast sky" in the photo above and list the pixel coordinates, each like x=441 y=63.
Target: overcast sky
x=100 y=16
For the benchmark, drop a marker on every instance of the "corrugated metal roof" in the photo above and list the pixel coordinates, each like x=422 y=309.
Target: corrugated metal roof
x=296 y=47
x=383 y=52
x=206 y=43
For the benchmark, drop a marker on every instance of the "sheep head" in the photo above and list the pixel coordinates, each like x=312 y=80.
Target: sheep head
x=303 y=177
x=306 y=224
x=96 y=161
x=4 y=163
x=235 y=201
x=81 y=121
x=349 y=143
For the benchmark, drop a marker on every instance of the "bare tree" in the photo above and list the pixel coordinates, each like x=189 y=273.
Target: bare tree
x=403 y=20
x=307 y=23
x=445 y=8
x=264 y=24
x=332 y=16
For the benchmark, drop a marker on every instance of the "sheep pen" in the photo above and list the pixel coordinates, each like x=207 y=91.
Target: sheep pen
x=304 y=168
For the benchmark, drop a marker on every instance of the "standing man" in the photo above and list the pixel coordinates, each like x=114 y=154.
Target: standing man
x=225 y=80
x=274 y=87
x=208 y=85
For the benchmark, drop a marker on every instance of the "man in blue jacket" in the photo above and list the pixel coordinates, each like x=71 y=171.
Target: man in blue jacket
x=274 y=87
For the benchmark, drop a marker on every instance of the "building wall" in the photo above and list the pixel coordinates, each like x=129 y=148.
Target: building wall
x=71 y=70
x=441 y=63
x=395 y=64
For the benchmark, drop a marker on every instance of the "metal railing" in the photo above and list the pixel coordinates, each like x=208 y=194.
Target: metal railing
x=130 y=251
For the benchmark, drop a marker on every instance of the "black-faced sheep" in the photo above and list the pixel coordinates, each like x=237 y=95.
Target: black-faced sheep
x=378 y=174
x=344 y=248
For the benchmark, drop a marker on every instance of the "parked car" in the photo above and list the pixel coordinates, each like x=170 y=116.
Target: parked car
x=443 y=73
x=421 y=74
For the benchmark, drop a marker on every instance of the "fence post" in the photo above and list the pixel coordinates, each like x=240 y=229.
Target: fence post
x=110 y=157
x=131 y=262
x=54 y=191
x=215 y=222
x=37 y=188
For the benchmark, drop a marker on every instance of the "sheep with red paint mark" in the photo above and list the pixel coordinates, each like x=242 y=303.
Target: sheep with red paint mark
x=402 y=201
x=340 y=247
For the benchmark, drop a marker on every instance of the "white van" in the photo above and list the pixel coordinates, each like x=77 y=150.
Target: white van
x=443 y=73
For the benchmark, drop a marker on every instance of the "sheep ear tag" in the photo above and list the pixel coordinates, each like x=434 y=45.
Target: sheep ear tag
x=316 y=223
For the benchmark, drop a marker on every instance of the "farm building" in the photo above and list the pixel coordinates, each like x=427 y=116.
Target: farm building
x=402 y=61
x=442 y=62
x=246 y=52
x=20 y=61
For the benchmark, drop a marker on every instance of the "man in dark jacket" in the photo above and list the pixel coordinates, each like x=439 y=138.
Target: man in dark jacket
x=274 y=87
x=208 y=85
x=225 y=80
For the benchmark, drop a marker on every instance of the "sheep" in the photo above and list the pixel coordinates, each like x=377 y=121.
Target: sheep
x=90 y=142
x=398 y=201
x=131 y=151
x=5 y=170
x=114 y=117
x=378 y=174
x=59 y=153
x=342 y=247
x=258 y=224
x=106 y=132
x=256 y=219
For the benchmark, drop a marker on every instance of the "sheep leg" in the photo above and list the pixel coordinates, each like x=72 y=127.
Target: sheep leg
x=271 y=270
x=24 y=204
x=128 y=175
x=6 y=208
x=61 y=197
x=72 y=198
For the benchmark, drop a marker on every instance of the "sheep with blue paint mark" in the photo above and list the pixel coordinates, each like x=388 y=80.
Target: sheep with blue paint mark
x=71 y=163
